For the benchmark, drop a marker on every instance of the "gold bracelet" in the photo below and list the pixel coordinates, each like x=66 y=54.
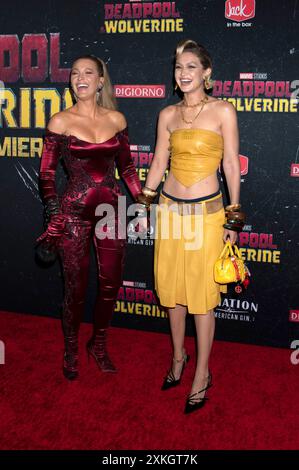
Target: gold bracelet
x=149 y=192
x=233 y=207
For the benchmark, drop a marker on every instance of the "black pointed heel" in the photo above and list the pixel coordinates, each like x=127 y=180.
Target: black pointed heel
x=170 y=380
x=193 y=402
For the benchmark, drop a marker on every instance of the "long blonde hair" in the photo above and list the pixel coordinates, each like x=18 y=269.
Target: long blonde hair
x=106 y=96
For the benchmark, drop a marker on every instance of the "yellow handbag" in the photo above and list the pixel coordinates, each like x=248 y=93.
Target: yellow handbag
x=230 y=267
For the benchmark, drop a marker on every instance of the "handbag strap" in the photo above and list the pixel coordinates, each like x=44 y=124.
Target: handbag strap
x=237 y=251
x=227 y=249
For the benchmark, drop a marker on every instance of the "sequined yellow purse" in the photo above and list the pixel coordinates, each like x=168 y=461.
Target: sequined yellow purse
x=230 y=267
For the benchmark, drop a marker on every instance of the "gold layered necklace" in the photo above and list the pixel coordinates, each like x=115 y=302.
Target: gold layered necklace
x=201 y=103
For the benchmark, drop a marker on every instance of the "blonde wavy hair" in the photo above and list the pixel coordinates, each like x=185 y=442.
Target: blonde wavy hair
x=106 y=96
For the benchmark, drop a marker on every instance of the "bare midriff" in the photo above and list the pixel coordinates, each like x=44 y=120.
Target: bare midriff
x=202 y=188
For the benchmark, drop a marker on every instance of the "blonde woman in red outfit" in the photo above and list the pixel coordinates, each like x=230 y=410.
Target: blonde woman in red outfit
x=91 y=138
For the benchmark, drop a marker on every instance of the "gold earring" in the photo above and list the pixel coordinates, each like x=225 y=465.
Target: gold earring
x=176 y=87
x=208 y=83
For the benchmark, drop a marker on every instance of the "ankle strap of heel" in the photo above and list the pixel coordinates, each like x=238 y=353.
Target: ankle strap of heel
x=183 y=359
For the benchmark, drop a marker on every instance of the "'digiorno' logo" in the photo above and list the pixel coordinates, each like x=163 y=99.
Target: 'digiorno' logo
x=139 y=91
x=137 y=16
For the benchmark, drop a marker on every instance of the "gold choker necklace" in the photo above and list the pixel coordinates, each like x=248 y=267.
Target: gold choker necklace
x=204 y=100
x=202 y=103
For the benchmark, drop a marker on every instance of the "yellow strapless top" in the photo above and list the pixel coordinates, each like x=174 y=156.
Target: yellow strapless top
x=195 y=154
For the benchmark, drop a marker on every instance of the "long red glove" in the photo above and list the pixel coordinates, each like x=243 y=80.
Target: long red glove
x=48 y=242
x=125 y=165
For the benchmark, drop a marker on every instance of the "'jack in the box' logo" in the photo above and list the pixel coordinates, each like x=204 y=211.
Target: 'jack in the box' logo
x=239 y=10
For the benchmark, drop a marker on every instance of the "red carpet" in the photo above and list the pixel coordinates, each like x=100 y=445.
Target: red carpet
x=253 y=403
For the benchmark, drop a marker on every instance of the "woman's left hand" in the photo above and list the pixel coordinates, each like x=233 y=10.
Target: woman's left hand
x=233 y=236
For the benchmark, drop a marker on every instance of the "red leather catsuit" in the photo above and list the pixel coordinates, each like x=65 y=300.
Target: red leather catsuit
x=91 y=181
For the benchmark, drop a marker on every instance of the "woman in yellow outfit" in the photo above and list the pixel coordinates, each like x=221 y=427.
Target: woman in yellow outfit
x=195 y=134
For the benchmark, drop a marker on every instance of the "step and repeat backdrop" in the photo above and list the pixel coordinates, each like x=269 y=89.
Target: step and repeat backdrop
x=255 y=51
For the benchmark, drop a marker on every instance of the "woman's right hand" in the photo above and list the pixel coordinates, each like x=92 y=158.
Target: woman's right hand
x=48 y=243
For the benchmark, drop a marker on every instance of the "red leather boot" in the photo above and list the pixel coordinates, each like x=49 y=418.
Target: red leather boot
x=96 y=347
x=70 y=358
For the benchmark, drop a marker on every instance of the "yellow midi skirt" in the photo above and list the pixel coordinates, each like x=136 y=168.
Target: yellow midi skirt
x=188 y=241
